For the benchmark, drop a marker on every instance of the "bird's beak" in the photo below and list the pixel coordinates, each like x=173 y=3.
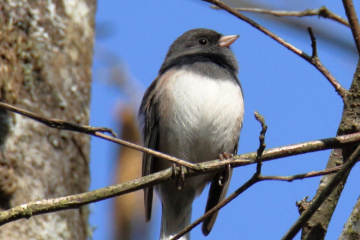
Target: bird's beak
x=226 y=41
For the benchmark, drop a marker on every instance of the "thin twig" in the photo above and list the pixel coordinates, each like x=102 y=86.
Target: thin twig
x=313 y=44
x=249 y=183
x=316 y=203
x=34 y=208
x=148 y=150
x=338 y=88
x=303 y=175
x=44 y=206
x=239 y=160
x=94 y=131
x=250 y=158
x=321 y=12
x=257 y=177
x=316 y=62
x=57 y=123
x=354 y=23
x=254 y=179
x=262 y=145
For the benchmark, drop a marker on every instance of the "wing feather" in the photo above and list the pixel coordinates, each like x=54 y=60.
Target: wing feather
x=149 y=118
x=217 y=193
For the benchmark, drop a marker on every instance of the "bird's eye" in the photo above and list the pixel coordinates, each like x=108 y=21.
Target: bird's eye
x=203 y=41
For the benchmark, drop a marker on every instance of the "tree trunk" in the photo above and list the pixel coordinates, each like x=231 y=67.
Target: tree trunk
x=45 y=67
x=316 y=227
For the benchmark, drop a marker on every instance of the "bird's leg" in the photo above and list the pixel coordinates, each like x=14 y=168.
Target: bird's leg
x=180 y=180
x=224 y=176
x=173 y=167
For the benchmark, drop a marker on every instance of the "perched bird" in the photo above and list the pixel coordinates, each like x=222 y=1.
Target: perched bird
x=193 y=111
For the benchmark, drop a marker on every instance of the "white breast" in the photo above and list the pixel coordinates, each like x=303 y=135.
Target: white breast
x=200 y=117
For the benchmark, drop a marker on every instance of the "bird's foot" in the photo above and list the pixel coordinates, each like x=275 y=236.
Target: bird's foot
x=224 y=177
x=180 y=179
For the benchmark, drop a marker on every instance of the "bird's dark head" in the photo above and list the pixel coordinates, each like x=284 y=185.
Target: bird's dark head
x=202 y=43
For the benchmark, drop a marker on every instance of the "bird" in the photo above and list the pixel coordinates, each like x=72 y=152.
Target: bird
x=194 y=111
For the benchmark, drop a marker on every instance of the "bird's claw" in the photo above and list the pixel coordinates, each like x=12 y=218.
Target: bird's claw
x=180 y=180
x=224 y=176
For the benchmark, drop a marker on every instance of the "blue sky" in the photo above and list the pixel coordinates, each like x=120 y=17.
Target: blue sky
x=296 y=100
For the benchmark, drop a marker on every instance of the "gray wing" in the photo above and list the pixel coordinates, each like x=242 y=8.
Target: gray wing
x=148 y=118
x=216 y=194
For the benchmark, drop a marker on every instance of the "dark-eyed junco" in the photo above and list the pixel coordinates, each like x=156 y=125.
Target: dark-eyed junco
x=193 y=111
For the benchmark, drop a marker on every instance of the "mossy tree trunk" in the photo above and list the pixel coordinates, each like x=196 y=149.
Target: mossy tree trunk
x=45 y=67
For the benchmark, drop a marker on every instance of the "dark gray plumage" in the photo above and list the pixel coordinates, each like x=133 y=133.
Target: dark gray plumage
x=194 y=111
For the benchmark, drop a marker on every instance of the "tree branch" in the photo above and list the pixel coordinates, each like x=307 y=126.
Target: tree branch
x=321 y=12
x=94 y=131
x=257 y=177
x=303 y=175
x=254 y=179
x=38 y=207
x=314 y=54
x=56 y=123
x=316 y=227
x=75 y=201
x=262 y=146
x=239 y=160
x=316 y=62
x=339 y=89
x=149 y=151
x=354 y=23
x=351 y=228
x=339 y=176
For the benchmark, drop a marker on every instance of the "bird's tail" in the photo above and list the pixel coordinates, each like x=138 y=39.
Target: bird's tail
x=172 y=223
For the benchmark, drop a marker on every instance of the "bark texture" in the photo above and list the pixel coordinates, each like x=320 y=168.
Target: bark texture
x=316 y=227
x=351 y=229
x=45 y=67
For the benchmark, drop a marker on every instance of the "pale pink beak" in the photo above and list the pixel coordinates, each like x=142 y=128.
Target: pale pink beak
x=226 y=41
